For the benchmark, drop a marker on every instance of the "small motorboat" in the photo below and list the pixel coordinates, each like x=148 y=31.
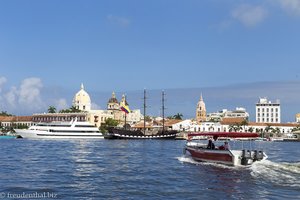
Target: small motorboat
x=209 y=153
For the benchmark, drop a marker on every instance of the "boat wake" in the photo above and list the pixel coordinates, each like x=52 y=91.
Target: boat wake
x=283 y=173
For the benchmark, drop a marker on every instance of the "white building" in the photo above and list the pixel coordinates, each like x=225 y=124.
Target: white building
x=237 y=113
x=268 y=112
x=82 y=101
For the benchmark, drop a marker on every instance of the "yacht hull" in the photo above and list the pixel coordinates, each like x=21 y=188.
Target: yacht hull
x=33 y=134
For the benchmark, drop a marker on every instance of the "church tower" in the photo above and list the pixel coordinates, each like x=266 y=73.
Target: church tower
x=123 y=101
x=113 y=103
x=82 y=100
x=201 y=111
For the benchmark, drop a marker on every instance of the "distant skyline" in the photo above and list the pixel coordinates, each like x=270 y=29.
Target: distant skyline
x=48 y=48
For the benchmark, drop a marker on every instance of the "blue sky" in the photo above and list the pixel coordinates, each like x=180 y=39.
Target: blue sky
x=128 y=45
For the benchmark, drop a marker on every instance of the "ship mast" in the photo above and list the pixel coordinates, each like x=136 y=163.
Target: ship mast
x=125 y=113
x=163 y=110
x=144 y=111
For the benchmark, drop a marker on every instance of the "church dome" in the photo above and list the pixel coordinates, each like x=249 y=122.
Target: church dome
x=82 y=100
x=113 y=99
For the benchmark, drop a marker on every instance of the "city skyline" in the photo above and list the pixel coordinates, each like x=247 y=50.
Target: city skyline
x=48 y=48
x=30 y=99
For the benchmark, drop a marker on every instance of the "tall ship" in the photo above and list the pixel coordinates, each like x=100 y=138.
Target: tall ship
x=126 y=132
x=61 y=130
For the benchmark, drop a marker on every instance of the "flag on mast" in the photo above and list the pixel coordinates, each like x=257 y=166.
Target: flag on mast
x=125 y=108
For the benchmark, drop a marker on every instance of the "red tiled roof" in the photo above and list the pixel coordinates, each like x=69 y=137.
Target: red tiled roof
x=15 y=118
x=230 y=121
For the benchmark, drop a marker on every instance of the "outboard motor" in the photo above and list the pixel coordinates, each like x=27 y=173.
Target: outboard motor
x=246 y=156
x=258 y=155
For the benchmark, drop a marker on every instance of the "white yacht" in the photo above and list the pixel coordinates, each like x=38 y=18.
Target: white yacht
x=63 y=130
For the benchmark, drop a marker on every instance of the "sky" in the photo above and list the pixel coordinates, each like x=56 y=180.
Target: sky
x=48 y=48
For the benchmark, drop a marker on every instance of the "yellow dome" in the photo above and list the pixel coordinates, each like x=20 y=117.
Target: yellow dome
x=82 y=100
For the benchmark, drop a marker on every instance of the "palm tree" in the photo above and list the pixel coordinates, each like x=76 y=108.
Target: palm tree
x=297 y=128
x=244 y=123
x=178 y=116
x=250 y=129
x=51 y=109
x=235 y=127
x=73 y=109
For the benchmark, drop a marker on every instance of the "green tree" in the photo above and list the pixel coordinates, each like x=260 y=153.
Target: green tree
x=148 y=118
x=235 y=127
x=250 y=129
x=244 y=123
x=51 y=109
x=178 y=116
x=297 y=128
x=4 y=113
x=109 y=122
x=72 y=109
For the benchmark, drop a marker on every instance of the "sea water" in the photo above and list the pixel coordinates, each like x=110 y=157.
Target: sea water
x=140 y=169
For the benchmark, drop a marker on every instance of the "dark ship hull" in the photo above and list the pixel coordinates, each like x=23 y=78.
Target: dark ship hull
x=118 y=133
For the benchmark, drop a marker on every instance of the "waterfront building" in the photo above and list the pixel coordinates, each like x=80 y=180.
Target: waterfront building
x=50 y=117
x=201 y=111
x=268 y=112
x=14 y=121
x=298 y=117
x=82 y=101
x=114 y=106
x=237 y=113
x=228 y=125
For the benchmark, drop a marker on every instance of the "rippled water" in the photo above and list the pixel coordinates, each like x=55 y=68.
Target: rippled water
x=149 y=169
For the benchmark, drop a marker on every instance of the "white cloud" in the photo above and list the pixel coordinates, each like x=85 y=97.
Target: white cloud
x=29 y=93
x=249 y=15
x=11 y=96
x=291 y=6
x=29 y=97
x=120 y=21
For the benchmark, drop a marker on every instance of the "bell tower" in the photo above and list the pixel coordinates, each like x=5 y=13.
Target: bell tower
x=113 y=103
x=201 y=111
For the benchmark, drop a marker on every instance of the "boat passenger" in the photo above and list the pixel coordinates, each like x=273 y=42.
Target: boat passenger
x=210 y=145
x=226 y=146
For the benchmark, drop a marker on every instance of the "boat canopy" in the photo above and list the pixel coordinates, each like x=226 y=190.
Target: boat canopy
x=215 y=135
